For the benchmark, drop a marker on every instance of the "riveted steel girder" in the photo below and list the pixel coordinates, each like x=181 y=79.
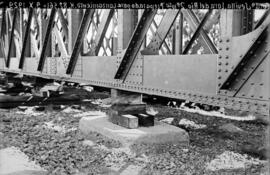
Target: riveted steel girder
x=189 y=77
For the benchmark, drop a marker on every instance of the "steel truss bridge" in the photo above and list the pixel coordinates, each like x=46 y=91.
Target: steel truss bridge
x=215 y=57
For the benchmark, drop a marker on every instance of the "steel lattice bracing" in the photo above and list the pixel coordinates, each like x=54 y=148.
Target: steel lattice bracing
x=216 y=57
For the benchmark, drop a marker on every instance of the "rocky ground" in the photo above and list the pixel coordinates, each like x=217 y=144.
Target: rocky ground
x=51 y=138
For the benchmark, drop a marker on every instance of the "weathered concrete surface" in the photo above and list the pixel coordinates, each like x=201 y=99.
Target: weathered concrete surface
x=160 y=133
x=15 y=162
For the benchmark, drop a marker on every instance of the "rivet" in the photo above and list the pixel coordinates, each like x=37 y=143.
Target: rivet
x=243 y=95
x=252 y=95
x=252 y=83
x=227 y=48
x=219 y=70
x=220 y=40
x=227 y=57
x=219 y=56
x=261 y=96
x=241 y=55
x=220 y=48
x=261 y=84
x=226 y=70
x=262 y=70
x=219 y=84
x=226 y=63
x=228 y=40
x=219 y=63
x=219 y=77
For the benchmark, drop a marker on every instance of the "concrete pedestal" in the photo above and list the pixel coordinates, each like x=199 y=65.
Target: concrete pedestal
x=160 y=133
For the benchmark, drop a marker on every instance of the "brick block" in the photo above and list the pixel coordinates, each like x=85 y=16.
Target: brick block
x=126 y=120
x=145 y=120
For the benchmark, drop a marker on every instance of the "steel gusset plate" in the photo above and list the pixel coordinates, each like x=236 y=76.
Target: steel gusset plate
x=87 y=19
x=135 y=43
x=161 y=33
x=248 y=64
